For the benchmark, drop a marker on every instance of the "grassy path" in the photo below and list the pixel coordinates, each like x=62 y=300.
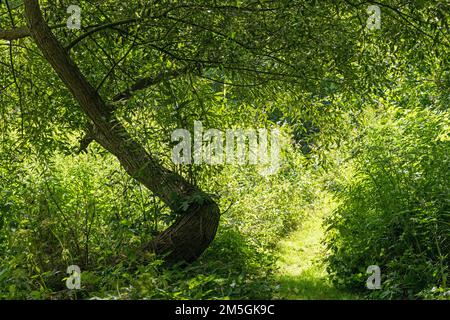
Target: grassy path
x=300 y=274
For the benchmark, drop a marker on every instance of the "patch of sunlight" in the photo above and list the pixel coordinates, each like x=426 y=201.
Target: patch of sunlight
x=301 y=273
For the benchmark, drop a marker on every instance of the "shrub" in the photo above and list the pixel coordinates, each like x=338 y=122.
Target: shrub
x=395 y=209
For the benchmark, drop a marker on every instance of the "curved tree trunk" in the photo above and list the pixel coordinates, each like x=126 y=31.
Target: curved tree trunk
x=192 y=233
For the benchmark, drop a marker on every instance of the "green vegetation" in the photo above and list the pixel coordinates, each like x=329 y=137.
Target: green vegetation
x=87 y=170
x=395 y=209
x=302 y=273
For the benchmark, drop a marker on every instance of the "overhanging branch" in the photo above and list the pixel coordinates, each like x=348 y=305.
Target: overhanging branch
x=14 y=34
x=150 y=81
x=100 y=28
x=22 y=32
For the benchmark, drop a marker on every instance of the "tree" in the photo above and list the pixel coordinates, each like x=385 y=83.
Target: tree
x=258 y=48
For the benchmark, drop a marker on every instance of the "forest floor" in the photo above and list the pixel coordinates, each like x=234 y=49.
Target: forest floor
x=301 y=273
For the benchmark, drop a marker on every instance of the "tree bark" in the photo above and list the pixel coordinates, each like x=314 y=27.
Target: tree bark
x=194 y=230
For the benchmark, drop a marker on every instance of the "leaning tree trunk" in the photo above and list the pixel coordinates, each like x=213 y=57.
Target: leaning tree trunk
x=191 y=234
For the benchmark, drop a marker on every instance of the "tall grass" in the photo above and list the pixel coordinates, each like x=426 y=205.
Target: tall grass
x=395 y=208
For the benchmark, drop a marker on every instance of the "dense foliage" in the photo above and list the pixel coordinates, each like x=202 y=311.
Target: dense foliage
x=394 y=209
x=86 y=118
x=84 y=210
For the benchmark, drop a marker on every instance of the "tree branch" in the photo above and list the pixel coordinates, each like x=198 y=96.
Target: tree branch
x=24 y=32
x=14 y=34
x=150 y=81
x=100 y=28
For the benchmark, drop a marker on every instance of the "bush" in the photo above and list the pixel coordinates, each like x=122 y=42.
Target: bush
x=395 y=209
x=84 y=210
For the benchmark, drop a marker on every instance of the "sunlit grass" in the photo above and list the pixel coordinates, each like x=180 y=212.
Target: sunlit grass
x=301 y=273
